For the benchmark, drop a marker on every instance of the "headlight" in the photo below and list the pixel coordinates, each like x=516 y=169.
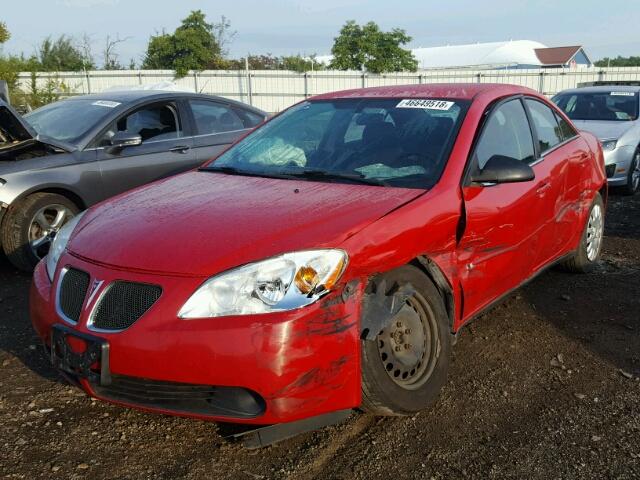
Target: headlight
x=277 y=284
x=59 y=244
x=609 y=145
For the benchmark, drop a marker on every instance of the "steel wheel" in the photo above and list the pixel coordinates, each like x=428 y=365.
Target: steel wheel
x=595 y=230
x=45 y=224
x=409 y=347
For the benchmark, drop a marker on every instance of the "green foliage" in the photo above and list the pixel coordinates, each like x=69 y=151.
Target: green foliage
x=619 y=62
x=61 y=55
x=192 y=46
x=4 y=33
x=367 y=47
x=297 y=63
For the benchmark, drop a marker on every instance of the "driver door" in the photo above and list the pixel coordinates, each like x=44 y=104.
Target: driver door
x=503 y=221
x=164 y=151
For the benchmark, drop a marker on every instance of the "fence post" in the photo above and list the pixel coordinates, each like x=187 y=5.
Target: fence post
x=541 y=82
x=601 y=75
x=195 y=81
x=86 y=73
x=4 y=91
x=139 y=77
x=306 y=86
x=479 y=77
x=364 y=80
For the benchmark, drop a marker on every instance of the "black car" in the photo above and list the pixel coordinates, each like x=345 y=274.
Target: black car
x=71 y=154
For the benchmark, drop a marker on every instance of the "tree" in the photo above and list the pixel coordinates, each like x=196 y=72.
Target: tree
x=109 y=56
x=62 y=55
x=223 y=34
x=4 y=33
x=619 y=62
x=368 y=48
x=192 y=46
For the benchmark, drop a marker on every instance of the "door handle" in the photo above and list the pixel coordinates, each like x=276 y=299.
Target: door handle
x=542 y=189
x=180 y=149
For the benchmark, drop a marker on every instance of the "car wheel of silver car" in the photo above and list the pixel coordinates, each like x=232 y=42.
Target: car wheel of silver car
x=406 y=365
x=31 y=224
x=633 y=179
x=588 y=253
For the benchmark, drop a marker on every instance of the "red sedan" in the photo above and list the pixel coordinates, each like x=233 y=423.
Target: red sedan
x=327 y=260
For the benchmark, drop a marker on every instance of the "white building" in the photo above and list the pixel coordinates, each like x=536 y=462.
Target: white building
x=496 y=55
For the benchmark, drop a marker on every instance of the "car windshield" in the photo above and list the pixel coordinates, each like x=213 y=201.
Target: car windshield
x=69 y=120
x=392 y=142
x=612 y=105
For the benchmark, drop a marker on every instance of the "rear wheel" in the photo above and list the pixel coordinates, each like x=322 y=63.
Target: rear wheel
x=633 y=177
x=588 y=252
x=405 y=367
x=30 y=226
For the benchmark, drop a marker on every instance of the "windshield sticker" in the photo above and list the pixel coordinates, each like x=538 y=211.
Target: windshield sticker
x=425 y=104
x=106 y=103
x=623 y=94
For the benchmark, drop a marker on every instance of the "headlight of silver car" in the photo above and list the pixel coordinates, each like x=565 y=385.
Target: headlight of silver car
x=285 y=282
x=60 y=243
x=609 y=145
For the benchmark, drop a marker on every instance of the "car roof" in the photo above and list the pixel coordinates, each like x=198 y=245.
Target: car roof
x=603 y=88
x=462 y=91
x=132 y=96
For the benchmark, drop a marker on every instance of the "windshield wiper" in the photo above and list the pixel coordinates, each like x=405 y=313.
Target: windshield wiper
x=325 y=175
x=247 y=173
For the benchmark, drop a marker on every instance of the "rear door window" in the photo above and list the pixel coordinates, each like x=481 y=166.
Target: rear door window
x=212 y=118
x=546 y=124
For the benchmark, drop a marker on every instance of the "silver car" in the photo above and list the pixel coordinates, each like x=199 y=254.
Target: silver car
x=69 y=155
x=610 y=112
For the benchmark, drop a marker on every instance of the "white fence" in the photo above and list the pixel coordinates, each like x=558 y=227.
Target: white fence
x=273 y=90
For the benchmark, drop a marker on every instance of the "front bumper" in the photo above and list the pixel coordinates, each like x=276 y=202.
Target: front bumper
x=296 y=364
x=617 y=163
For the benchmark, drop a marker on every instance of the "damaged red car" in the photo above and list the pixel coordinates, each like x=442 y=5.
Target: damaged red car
x=324 y=262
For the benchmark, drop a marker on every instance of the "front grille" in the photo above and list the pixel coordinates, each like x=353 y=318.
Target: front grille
x=123 y=303
x=611 y=170
x=183 y=397
x=73 y=289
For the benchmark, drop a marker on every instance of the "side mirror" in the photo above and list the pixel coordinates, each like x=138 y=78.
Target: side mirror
x=123 y=139
x=501 y=169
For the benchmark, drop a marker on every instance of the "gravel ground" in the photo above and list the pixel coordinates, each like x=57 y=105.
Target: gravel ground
x=545 y=386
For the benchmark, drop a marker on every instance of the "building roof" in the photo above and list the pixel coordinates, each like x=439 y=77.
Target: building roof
x=517 y=52
x=557 y=55
x=462 y=91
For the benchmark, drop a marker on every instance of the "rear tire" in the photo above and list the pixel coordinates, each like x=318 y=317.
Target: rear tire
x=633 y=177
x=29 y=225
x=398 y=377
x=585 y=258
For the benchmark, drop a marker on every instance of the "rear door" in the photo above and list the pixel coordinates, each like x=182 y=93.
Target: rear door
x=166 y=148
x=217 y=125
x=502 y=221
x=559 y=154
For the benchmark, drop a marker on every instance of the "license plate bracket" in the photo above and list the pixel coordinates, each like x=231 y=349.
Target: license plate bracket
x=79 y=364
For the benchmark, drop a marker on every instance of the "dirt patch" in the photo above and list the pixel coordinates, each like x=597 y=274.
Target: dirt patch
x=545 y=385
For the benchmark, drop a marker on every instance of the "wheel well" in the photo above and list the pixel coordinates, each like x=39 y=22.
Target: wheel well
x=431 y=270
x=65 y=193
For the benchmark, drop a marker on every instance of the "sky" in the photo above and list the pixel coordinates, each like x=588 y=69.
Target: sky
x=283 y=27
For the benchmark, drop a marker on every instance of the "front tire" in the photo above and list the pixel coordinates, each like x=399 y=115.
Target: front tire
x=30 y=225
x=633 y=178
x=587 y=255
x=405 y=367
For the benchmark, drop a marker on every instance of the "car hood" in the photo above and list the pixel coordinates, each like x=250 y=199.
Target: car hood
x=16 y=134
x=604 y=130
x=201 y=223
